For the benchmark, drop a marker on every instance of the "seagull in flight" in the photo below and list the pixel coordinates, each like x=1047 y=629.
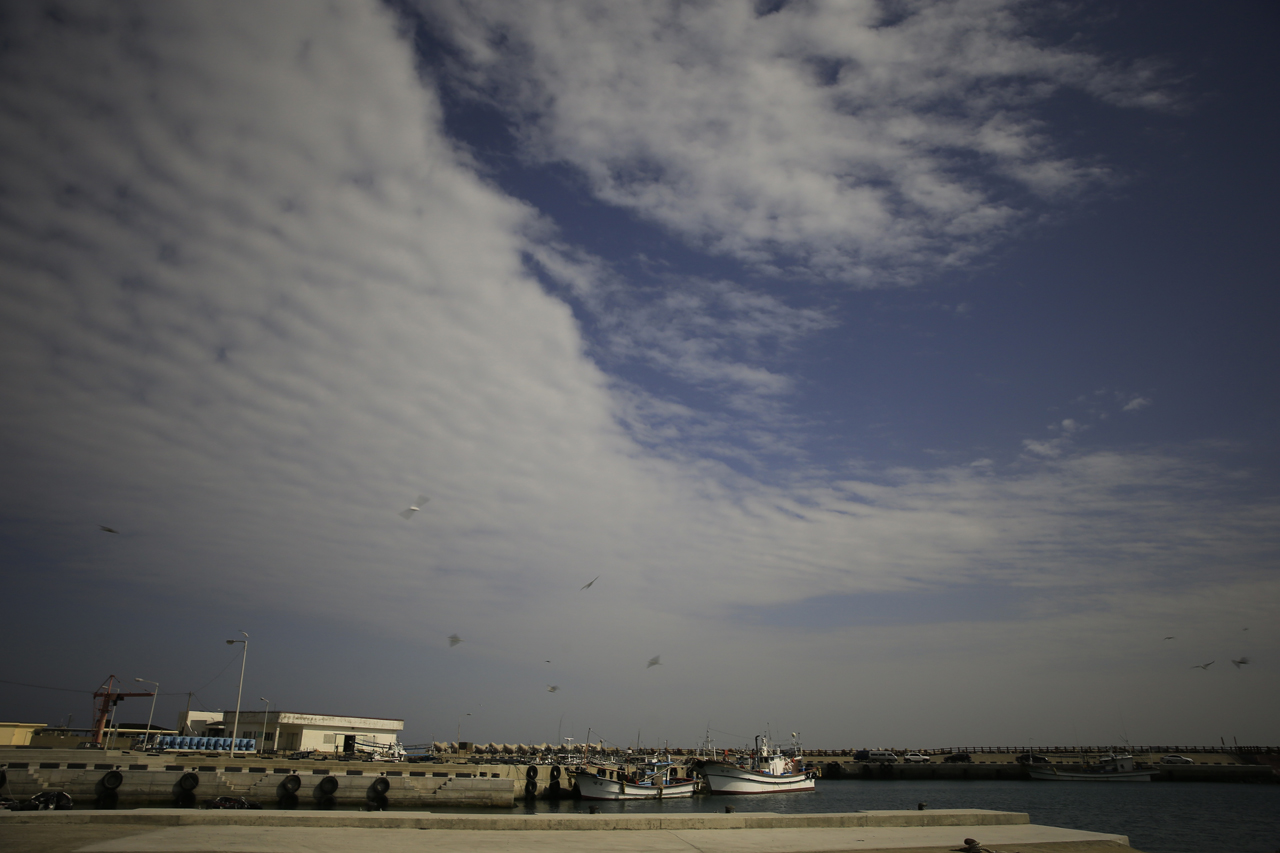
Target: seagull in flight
x=1171 y=638
x=552 y=688
x=454 y=639
x=1204 y=666
x=1241 y=662
x=414 y=507
x=590 y=582
x=654 y=661
x=106 y=529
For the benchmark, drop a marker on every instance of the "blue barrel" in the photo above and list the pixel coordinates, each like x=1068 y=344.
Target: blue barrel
x=183 y=743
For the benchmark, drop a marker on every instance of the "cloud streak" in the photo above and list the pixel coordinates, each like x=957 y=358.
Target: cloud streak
x=853 y=141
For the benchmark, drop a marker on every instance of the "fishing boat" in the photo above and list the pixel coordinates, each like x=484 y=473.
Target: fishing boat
x=653 y=780
x=1113 y=767
x=765 y=771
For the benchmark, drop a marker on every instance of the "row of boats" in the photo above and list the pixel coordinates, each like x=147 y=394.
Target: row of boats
x=765 y=770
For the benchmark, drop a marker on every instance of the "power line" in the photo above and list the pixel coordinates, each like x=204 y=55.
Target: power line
x=45 y=687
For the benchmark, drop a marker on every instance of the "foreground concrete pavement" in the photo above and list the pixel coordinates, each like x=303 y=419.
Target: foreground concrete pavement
x=170 y=831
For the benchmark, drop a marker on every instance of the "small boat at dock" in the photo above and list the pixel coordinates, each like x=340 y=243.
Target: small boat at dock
x=653 y=780
x=765 y=771
x=1115 y=767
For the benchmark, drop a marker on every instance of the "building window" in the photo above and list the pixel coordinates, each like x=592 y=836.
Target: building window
x=269 y=736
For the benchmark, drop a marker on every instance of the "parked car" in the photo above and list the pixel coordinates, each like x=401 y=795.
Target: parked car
x=915 y=758
x=1176 y=759
x=957 y=758
x=1031 y=758
x=882 y=756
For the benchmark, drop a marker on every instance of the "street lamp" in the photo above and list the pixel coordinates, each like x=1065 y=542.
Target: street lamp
x=265 y=711
x=236 y=724
x=459 y=741
x=153 y=705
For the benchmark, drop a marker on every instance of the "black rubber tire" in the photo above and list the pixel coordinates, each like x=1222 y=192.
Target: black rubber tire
x=112 y=779
x=555 y=772
x=189 y=782
x=328 y=784
x=291 y=783
x=380 y=785
x=530 y=789
x=287 y=800
x=377 y=803
x=327 y=802
x=531 y=774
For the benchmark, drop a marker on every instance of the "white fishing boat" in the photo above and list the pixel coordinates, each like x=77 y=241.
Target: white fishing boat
x=658 y=780
x=1115 y=767
x=765 y=771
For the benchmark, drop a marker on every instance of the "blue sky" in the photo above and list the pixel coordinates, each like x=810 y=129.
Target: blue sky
x=871 y=354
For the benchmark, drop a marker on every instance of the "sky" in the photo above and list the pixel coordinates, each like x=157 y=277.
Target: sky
x=903 y=373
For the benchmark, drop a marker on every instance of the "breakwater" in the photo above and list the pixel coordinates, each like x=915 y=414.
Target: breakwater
x=108 y=779
x=126 y=778
x=1247 y=764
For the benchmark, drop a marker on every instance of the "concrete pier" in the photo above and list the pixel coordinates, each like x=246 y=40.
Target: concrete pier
x=181 y=831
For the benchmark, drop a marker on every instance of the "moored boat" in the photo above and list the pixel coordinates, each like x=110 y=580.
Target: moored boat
x=658 y=780
x=765 y=771
x=1115 y=767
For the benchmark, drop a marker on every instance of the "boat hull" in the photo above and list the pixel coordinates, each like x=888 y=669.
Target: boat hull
x=723 y=778
x=600 y=788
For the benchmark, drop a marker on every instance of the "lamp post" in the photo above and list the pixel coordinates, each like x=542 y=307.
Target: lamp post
x=458 y=745
x=265 y=712
x=243 y=658
x=152 y=715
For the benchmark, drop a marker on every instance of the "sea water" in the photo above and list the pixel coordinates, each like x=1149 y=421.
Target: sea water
x=1158 y=817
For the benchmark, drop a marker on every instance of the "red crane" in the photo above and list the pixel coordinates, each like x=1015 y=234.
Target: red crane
x=108 y=698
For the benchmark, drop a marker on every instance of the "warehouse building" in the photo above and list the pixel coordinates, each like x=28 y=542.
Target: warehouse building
x=287 y=731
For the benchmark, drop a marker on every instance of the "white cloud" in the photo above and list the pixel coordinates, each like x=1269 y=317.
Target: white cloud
x=823 y=138
x=1137 y=404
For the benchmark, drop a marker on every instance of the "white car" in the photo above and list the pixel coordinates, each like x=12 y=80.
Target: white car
x=1176 y=759
x=915 y=758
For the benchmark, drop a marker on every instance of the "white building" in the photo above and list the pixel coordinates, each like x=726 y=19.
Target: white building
x=287 y=731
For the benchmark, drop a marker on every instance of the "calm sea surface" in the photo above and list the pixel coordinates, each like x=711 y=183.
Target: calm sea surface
x=1158 y=817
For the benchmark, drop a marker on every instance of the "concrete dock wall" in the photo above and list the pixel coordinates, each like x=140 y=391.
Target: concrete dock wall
x=132 y=780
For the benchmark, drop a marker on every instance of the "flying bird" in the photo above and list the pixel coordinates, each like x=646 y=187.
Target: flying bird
x=417 y=505
x=106 y=529
x=1204 y=666
x=454 y=639
x=654 y=661
x=590 y=582
x=1241 y=662
x=1171 y=638
x=552 y=688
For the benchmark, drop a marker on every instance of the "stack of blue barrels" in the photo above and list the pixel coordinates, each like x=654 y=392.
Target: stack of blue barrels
x=211 y=744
